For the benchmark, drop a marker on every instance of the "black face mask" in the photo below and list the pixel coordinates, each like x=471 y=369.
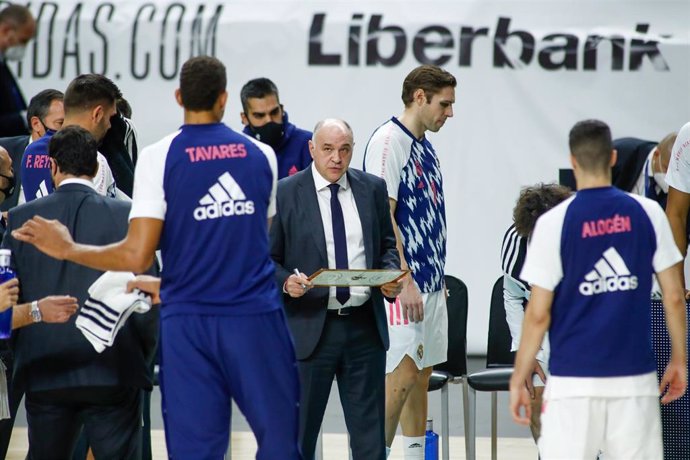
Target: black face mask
x=11 y=182
x=271 y=133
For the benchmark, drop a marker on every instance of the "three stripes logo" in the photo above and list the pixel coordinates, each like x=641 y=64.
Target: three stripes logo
x=225 y=198
x=42 y=190
x=610 y=274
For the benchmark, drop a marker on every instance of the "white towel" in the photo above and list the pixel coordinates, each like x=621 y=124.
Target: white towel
x=108 y=307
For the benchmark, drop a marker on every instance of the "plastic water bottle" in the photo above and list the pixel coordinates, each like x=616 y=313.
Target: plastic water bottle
x=431 y=442
x=6 y=273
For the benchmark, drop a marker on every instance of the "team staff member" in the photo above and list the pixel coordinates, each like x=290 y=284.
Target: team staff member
x=678 y=179
x=590 y=263
x=205 y=194
x=265 y=120
x=336 y=217
x=399 y=152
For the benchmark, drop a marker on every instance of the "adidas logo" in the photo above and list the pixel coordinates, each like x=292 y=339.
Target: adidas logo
x=42 y=190
x=225 y=198
x=610 y=274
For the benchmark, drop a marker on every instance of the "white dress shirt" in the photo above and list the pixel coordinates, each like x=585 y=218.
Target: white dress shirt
x=353 y=231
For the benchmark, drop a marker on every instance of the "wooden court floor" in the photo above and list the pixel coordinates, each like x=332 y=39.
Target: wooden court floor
x=335 y=447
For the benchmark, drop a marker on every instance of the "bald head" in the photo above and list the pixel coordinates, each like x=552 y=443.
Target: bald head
x=6 y=174
x=331 y=148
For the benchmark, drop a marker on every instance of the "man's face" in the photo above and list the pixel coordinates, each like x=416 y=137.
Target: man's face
x=100 y=118
x=6 y=171
x=434 y=113
x=17 y=35
x=53 y=119
x=262 y=110
x=331 y=150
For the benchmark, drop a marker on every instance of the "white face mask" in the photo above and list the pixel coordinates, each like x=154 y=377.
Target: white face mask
x=15 y=53
x=660 y=179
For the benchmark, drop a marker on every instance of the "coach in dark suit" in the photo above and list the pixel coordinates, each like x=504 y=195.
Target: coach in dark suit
x=68 y=384
x=17 y=27
x=332 y=216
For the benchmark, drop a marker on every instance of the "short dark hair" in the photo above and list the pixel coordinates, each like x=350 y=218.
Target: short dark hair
x=535 y=201
x=123 y=107
x=591 y=145
x=73 y=148
x=39 y=105
x=429 y=78
x=257 y=88
x=16 y=15
x=202 y=81
x=89 y=90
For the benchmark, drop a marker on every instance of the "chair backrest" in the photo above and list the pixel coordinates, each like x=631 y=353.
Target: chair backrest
x=498 y=352
x=456 y=364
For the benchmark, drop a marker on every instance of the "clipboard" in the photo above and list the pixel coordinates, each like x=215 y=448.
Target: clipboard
x=355 y=277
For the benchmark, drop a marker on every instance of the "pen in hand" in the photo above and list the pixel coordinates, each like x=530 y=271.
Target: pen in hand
x=299 y=276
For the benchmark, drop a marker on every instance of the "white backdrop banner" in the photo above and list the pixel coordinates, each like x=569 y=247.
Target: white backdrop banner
x=527 y=71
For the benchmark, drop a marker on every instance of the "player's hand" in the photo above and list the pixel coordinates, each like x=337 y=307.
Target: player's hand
x=49 y=236
x=57 y=308
x=392 y=289
x=529 y=382
x=147 y=284
x=674 y=382
x=9 y=294
x=411 y=301
x=297 y=286
x=520 y=399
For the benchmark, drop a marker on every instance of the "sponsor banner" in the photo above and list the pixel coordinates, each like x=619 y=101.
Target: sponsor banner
x=527 y=71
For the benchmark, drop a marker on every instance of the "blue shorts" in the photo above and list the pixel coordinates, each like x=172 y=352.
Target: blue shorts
x=208 y=360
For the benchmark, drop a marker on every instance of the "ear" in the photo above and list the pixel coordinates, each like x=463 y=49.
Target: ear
x=36 y=124
x=243 y=117
x=223 y=99
x=419 y=96
x=312 y=148
x=53 y=166
x=178 y=97
x=97 y=114
x=614 y=157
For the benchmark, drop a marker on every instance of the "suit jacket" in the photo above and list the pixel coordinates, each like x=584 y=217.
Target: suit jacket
x=12 y=103
x=54 y=356
x=632 y=154
x=15 y=146
x=298 y=241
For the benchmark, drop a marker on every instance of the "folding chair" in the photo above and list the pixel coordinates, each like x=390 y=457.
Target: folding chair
x=454 y=370
x=499 y=367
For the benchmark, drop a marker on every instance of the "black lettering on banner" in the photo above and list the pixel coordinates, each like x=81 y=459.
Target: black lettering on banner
x=501 y=59
x=316 y=55
x=354 y=39
x=374 y=33
x=467 y=36
x=617 y=51
x=196 y=48
x=640 y=48
x=422 y=42
x=164 y=27
x=44 y=40
x=104 y=39
x=569 y=50
x=133 y=47
x=73 y=28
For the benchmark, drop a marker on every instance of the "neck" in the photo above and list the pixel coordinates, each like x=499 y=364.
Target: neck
x=410 y=121
x=60 y=178
x=593 y=181
x=200 y=118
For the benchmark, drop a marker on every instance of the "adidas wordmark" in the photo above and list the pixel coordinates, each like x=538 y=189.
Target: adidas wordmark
x=610 y=274
x=225 y=198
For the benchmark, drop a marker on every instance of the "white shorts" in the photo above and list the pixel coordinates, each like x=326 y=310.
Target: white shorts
x=425 y=342
x=622 y=428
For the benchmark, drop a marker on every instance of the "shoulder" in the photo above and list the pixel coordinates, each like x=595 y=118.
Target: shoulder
x=160 y=147
x=288 y=184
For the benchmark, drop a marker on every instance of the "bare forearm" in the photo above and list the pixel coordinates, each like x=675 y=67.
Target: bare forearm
x=679 y=232
x=21 y=315
x=533 y=330
x=676 y=323
x=117 y=257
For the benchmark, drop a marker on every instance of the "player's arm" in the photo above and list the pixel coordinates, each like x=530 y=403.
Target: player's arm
x=134 y=253
x=54 y=309
x=675 y=378
x=536 y=323
x=410 y=297
x=677 y=208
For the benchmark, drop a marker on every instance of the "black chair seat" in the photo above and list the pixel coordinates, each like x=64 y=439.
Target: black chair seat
x=438 y=379
x=497 y=379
